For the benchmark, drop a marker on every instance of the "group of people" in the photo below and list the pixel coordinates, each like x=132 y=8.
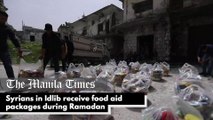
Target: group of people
x=53 y=47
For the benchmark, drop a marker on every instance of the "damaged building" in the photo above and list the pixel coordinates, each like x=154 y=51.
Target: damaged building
x=30 y=34
x=98 y=26
x=166 y=29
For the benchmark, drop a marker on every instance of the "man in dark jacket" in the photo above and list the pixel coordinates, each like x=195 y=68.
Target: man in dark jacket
x=51 y=47
x=205 y=58
x=5 y=33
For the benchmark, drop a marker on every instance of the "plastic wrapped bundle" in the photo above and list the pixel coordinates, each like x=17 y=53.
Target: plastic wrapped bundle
x=119 y=75
x=187 y=67
x=146 y=68
x=27 y=70
x=106 y=74
x=73 y=71
x=59 y=76
x=196 y=96
x=134 y=83
x=176 y=110
x=134 y=67
x=98 y=69
x=123 y=64
x=157 y=72
x=162 y=113
x=181 y=85
x=89 y=73
x=189 y=75
x=166 y=68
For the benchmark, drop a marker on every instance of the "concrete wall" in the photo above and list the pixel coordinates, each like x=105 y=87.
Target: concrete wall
x=129 y=14
x=181 y=30
x=194 y=3
x=97 y=18
x=162 y=40
x=29 y=31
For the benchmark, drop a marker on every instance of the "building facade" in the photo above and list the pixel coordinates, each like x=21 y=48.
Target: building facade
x=30 y=34
x=98 y=26
x=146 y=29
x=166 y=29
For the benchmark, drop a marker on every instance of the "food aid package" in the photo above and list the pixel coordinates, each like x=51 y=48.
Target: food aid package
x=176 y=110
x=107 y=73
x=196 y=96
x=135 y=83
x=134 y=67
x=181 y=85
x=88 y=72
x=189 y=75
x=166 y=68
x=187 y=67
x=98 y=69
x=74 y=71
x=119 y=75
x=146 y=68
x=157 y=72
x=30 y=70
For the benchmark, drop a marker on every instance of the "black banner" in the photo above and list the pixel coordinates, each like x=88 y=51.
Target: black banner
x=68 y=102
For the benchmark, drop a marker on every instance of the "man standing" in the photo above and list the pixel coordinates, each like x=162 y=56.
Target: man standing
x=51 y=47
x=5 y=33
x=205 y=58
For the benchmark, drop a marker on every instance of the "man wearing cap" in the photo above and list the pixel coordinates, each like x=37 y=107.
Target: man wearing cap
x=5 y=33
x=51 y=47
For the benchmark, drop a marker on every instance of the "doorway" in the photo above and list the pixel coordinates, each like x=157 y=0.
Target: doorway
x=145 y=47
x=198 y=35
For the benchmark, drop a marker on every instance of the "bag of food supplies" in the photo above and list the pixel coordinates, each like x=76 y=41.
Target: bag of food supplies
x=157 y=72
x=119 y=75
x=74 y=71
x=196 y=96
x=146 y=68
x=134 y=67
x=176 y=110
x=166 y=68
x=187 y=67
x=30 y=70
x=89 y=72
x=134 y=83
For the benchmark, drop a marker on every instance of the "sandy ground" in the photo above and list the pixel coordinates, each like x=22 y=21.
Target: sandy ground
x=160 y=93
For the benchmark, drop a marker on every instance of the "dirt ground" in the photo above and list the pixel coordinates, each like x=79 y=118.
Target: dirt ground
x=160 y=93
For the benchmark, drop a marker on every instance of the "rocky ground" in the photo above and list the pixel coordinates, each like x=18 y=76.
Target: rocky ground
x=160 y=93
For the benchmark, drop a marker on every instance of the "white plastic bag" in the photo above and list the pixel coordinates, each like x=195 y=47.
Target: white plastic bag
x=134 y=83
x=30 y=70
x=73 y=71
x=166 y=68
x=157 y=72
x=134 y=67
